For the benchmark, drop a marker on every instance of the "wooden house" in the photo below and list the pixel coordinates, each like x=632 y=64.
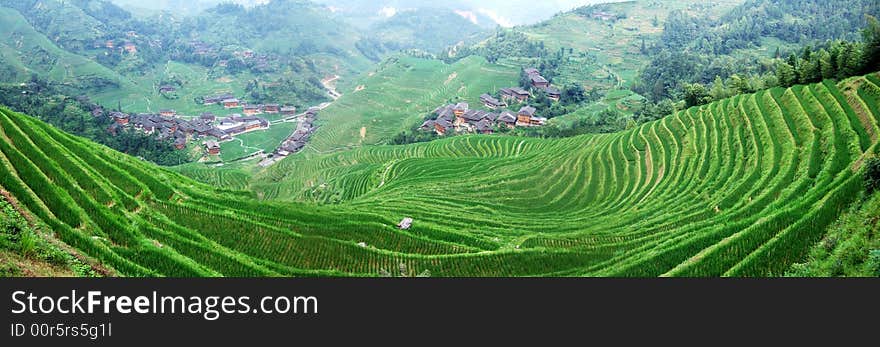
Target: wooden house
x=553 y=93
x=515 y=94
x=524 y=116
x=288 y=110
x=507 y=118
x=251 y=110
x=441 y=126
x=120 y=118
x=180 y=143
x=167 y=113
x=208 y=117
x=212 y=147
x=484 y=126
x=272 y=108
x=460 y=109
x=231 y=103
x=490 y=101
x=539 y=81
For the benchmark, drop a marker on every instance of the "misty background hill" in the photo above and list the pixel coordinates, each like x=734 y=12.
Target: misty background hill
x=483 y=12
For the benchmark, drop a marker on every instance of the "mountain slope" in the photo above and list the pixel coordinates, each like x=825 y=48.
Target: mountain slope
x=398 y=93
x=26 y=51
x=739 y=187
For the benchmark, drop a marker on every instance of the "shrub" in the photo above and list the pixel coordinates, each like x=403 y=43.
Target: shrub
x=872 y=175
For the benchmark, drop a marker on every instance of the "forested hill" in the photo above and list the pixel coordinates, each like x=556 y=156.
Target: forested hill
x=746 y=41
x=291 y=44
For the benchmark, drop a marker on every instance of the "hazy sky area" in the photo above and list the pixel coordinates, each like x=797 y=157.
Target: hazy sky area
x=502 y=12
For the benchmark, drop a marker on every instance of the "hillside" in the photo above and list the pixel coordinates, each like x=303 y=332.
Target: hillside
x=25 y=52
x=740 y=187
x=601 y=45
x=263 y=53
x=399 y=93
x=431 y=30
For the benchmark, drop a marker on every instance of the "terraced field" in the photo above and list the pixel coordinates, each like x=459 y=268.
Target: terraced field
x=399 y=93
x=741 y=187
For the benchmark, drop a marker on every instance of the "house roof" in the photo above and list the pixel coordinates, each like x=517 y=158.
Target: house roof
x=507 y=117
x=474 y=115
x=444 y=123
x=552 y=90
x=514 y=91
x=484 y=125
x=446 y=115
x=486 y=98
x=528 y=111
x=462 y=106
x=531 y=71
x=538 y=79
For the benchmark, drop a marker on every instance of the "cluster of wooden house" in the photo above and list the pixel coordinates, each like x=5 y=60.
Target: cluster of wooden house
x=298 y=140
x=168 y=126
x=229 y=101
x=460 y=118
x=540 y=83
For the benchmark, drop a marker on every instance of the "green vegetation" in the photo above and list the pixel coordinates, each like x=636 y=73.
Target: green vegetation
x=740 y=187
x=399 y=93
x=25 y=251
x=744 y=47
x=850 y=249
x=258 y=54
x=74 y=116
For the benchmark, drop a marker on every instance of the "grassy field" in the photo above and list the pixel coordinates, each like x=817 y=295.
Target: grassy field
x=266 y=140
x=741 y=187
x=399 y=93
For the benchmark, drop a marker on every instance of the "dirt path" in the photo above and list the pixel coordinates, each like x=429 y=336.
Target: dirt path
x=451 y=77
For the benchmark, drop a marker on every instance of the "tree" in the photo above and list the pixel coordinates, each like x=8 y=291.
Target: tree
x=826 y=65
x=695 y=94
x=740 y=85
x=793 y=62
x=871 y=38
x=718 y=92
x=786 y=75
x=872 y=175
x=573 y=94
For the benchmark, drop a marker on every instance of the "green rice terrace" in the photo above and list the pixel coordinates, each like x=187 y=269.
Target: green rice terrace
x=741 y=187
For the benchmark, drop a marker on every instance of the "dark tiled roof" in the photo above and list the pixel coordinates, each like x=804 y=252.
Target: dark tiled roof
x=507 y=117
x=527 y=110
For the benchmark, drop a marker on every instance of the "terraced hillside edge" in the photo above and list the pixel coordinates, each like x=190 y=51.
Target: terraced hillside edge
x=741 y=187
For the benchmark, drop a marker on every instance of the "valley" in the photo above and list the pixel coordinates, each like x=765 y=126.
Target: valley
x=651 y=138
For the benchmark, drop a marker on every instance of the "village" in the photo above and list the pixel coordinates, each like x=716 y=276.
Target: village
x=461 y=119
x=167 y=125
